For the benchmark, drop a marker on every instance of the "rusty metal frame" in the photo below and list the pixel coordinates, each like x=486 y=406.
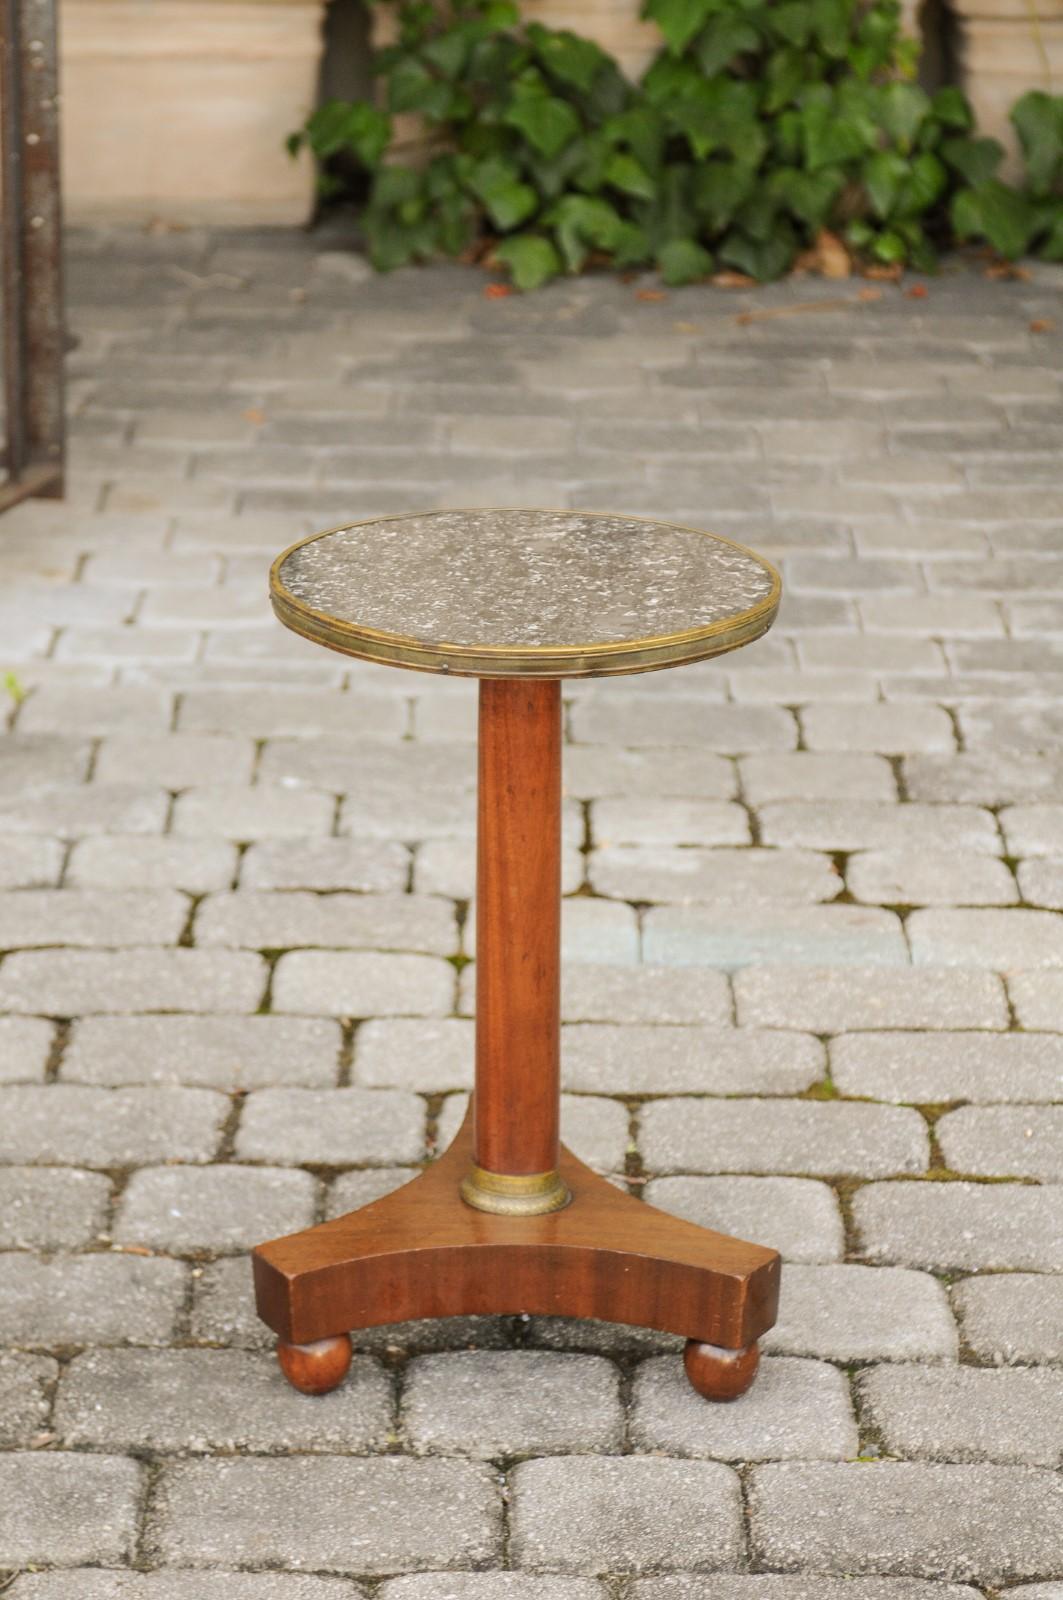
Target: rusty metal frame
x=31 y=273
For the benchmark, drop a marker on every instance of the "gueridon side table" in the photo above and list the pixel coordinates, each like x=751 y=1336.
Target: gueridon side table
x=508 y=1220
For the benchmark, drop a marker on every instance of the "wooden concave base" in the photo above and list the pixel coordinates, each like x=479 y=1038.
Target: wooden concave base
x=422 y=1252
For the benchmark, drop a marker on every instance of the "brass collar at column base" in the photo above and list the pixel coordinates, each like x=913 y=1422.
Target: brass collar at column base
x=504 y=1194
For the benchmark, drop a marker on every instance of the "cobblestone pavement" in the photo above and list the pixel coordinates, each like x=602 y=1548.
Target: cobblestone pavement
x=814 y=991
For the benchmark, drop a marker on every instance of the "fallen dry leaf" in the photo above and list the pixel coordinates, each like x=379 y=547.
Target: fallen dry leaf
x=1043 y=325
x=132 y=1249
x=884 y=272
x=834 y=259
x=1009 y=270
x=686 y=327
x=497 y=291
x=732 y=280
x=804 y=308
x=869 y=294
x=650 y=294
x=254 y=414
x=918 y=291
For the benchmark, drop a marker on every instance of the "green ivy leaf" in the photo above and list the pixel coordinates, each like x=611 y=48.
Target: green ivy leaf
x=1050 y=224
x=396 y=186
x=583 y=223
x=925 y=181
x=683 y=261
x=531 y=259
x=448 y=52
x=567 y=57
x=679 y=20
x=808 y=196
x=976 y=160
x=629 y=175
x=829 y=140
x=719 y=188
x=883 y=174
x=725 y=37
x=951 y=107
x=508 y=200
x=669 y=79
x=831 y=24
x=1038 y=120
x=792 y=22
x=358 y=126
x=632 y=247
x=548 y=123
x=411 y=87
x=786 y=72
x=996 y=213
x=890 y=247
x=392 y=243
x=763 y=259
x=642 y=130
x=902 y=107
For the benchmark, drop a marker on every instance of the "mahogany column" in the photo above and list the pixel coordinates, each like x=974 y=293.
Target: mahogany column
x=516 y=1105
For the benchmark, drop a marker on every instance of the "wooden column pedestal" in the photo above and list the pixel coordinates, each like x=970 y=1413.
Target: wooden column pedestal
x=507 y=1220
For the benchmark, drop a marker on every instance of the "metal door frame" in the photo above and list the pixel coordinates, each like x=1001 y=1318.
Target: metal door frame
x=31 y=269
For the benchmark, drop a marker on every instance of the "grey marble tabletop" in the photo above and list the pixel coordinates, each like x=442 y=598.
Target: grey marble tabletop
x=518 y=593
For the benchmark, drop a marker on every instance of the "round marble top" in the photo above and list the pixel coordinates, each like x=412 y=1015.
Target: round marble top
x=508 y=594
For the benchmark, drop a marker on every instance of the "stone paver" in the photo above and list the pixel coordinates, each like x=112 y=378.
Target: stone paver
x=810 y=887
x=624 y=1514
x=398 y=1513
x=796 y=1410
x=1012 y=1317
x=929 y=1520
x=958 y=1414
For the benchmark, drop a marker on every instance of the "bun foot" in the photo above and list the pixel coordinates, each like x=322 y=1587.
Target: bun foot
x=720 y=1374
x=318 y=1367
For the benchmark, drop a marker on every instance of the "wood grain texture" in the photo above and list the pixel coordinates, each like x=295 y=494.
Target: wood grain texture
x=421 y=1252
x=518 y=928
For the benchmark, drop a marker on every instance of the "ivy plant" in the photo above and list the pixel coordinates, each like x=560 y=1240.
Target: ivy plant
x=759 y=124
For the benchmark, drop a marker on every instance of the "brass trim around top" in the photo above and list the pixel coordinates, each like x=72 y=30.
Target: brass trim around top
x=505 y=1194
x=524 y=661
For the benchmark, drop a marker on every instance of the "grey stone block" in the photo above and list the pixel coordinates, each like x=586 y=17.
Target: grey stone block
x=29 y=863
x=332 y=1127
x=89 y=1299
x=929 y=878
x=834 y=1000
x=1033 y=830
x=645 y=993
x=796 y=1586
x=69 y=1124
x=1041 y=883
x=960 y=1414
x=1012 y=1318
x=816 y=775
x=87 y=1583
x=293 y=918
x=1003 y=940
x=215 y=1208
x=593 y=771
x=854 y=1313
x=874 y=825
x=1037 y=998
x=42 y=1209
x=599 y=1058
x=325 y=864
x=298 y=713
x=230 y=1053
x=1004 y=1141
x=986 y=1523
x=351 y=1190
x=796 y=1410
x=63 y=1509
x=174 y=760
x=625 y=1514
x=796 y=1216
x=407 y=1053
x=962 y=1226
x=216 y=1400
x=778 y=1136
x=339 y=984
x=888 y=729
x=194 y=865
x=983 y=777
x=223 y=1307
x=116 y=709
x=741 y=935
x=67 y=983
x=36 y=762
x=496 y=1586
x=417 y=1515
x=111 y=918
x=24 y=1404
x=745 y=877
x=644 y=820
x=448 y=867
x=656 y=721
x=266 y=811
x=78 y=810
x=25 y=1048
x=512 y=1402
x=924 y=1069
